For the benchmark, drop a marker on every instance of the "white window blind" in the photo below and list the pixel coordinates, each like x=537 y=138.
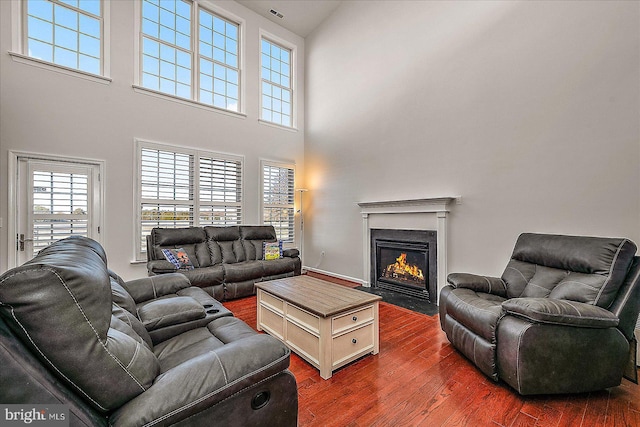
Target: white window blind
x=59 y=206
x=278 y=199
x=220 y=191
x=183 y=188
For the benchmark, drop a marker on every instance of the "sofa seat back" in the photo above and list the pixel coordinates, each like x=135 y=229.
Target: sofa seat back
x=253 y=239
x=67 y=284
x=224 y=244
x=192 y=239
x=584 y=269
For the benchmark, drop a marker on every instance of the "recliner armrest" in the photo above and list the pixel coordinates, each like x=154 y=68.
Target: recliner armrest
x=290 y=253
x=560 y=312
x=156 y=286
x=160 y=266
x=487 y=284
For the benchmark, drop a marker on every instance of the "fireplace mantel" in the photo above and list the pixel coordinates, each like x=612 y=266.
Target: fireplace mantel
x=438 y=206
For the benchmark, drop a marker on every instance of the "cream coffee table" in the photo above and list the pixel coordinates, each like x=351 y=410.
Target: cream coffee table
x=326 y=324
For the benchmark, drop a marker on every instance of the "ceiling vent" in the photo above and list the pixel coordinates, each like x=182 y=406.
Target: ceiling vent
x=276 y=13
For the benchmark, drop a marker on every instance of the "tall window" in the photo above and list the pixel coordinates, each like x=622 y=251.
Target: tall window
x=276 y=83
x=278 y=199
x=190 y=55
x=182 y=188
x=66 y=32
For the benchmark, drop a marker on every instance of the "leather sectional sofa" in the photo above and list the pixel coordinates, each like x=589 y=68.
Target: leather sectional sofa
x=561 y=318
x=227 y=260
x=149 y=352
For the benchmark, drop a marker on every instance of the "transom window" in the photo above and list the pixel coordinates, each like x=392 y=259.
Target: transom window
x=278 y=199
x=276 y=83
x=183 y=188
x=190 y=55
x=65 y=32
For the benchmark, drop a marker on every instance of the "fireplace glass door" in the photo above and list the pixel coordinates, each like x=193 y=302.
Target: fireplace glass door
x=403 y=264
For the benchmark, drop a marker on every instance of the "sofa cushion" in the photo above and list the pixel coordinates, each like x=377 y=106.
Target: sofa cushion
x=133 y=322
x=191 y=239
x=66 y=284
x=122 y=298
x=277 y=266
x=207 y=276
x=583 y=269
x=243 y=271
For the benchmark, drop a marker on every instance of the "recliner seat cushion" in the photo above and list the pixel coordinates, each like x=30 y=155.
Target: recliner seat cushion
x=66 y=284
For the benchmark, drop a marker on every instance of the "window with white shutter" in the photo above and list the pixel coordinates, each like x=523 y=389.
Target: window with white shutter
x=278 y=199
x=184 y=188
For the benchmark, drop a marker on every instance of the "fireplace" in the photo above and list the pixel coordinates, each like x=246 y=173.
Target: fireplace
x=405 y=261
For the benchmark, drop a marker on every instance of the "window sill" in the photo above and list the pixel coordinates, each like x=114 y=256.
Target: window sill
x=277 y=126
x=185 y=101
x=23 y=59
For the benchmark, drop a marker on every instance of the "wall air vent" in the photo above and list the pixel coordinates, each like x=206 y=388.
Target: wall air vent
x=276 y=13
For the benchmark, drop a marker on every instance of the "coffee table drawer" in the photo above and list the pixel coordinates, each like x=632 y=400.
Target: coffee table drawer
x=272 y=301
x=352 y=319
x=303 y=341
x=272 y=321
x=349 y=345
x=306 y=319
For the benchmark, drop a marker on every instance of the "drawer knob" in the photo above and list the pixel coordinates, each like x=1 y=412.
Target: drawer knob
x=355 y=318
x=354 y=340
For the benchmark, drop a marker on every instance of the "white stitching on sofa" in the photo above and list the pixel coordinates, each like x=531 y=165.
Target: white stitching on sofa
x=224 y=373
x=205 y=397
x=118 y=362
x=518 y=353
x=47 y=359
x=519 y=272
x=135 y=354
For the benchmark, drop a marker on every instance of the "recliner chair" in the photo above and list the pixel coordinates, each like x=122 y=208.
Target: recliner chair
x=561 y=318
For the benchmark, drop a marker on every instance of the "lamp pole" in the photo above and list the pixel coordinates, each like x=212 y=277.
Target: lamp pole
x=301 y=191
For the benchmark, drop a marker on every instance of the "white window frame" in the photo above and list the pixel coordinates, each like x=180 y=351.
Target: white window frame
x=195 y=203
x=193 y=100
x=283 y=165
x=19 y=45
x=294 y=78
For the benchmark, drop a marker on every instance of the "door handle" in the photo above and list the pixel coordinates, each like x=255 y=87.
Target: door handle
x=21 y=241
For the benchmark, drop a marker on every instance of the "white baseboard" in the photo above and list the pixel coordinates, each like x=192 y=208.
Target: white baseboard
x=336 y=275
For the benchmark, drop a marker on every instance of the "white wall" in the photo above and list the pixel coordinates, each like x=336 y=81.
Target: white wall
x=48 y=112
x=528 y=110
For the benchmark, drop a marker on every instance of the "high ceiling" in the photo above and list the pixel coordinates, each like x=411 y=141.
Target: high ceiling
x=299 y=16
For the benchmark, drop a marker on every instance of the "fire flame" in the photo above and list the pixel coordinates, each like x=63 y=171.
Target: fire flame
x=401 y=267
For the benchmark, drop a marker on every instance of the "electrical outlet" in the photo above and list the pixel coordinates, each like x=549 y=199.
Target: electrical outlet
x=322 y=253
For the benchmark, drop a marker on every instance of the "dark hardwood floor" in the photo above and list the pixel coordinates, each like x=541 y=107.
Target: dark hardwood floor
x=419 y=379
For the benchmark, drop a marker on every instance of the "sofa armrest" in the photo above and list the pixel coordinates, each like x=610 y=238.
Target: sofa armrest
x=156 y=286
x=290 y=253
x=560 y=312
x=160 y=266
x=163 y=312
x=205 y=380
x=486 y=284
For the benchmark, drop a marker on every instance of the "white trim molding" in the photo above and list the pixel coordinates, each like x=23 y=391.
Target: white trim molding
x=437 y=206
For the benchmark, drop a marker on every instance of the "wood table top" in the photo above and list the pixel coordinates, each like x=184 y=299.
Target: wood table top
x=317 y=296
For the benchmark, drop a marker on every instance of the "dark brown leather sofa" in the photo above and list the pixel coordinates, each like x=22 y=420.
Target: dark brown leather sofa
x=227 y=260
x=559 y=320
x=149 y=352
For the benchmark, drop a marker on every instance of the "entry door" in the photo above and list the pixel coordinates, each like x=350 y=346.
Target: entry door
x=55 y=199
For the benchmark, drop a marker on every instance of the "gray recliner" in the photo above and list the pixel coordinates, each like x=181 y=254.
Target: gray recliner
x=559 y=320
x=150 y=352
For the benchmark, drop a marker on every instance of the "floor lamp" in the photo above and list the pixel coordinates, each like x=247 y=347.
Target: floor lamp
x=301 y=191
